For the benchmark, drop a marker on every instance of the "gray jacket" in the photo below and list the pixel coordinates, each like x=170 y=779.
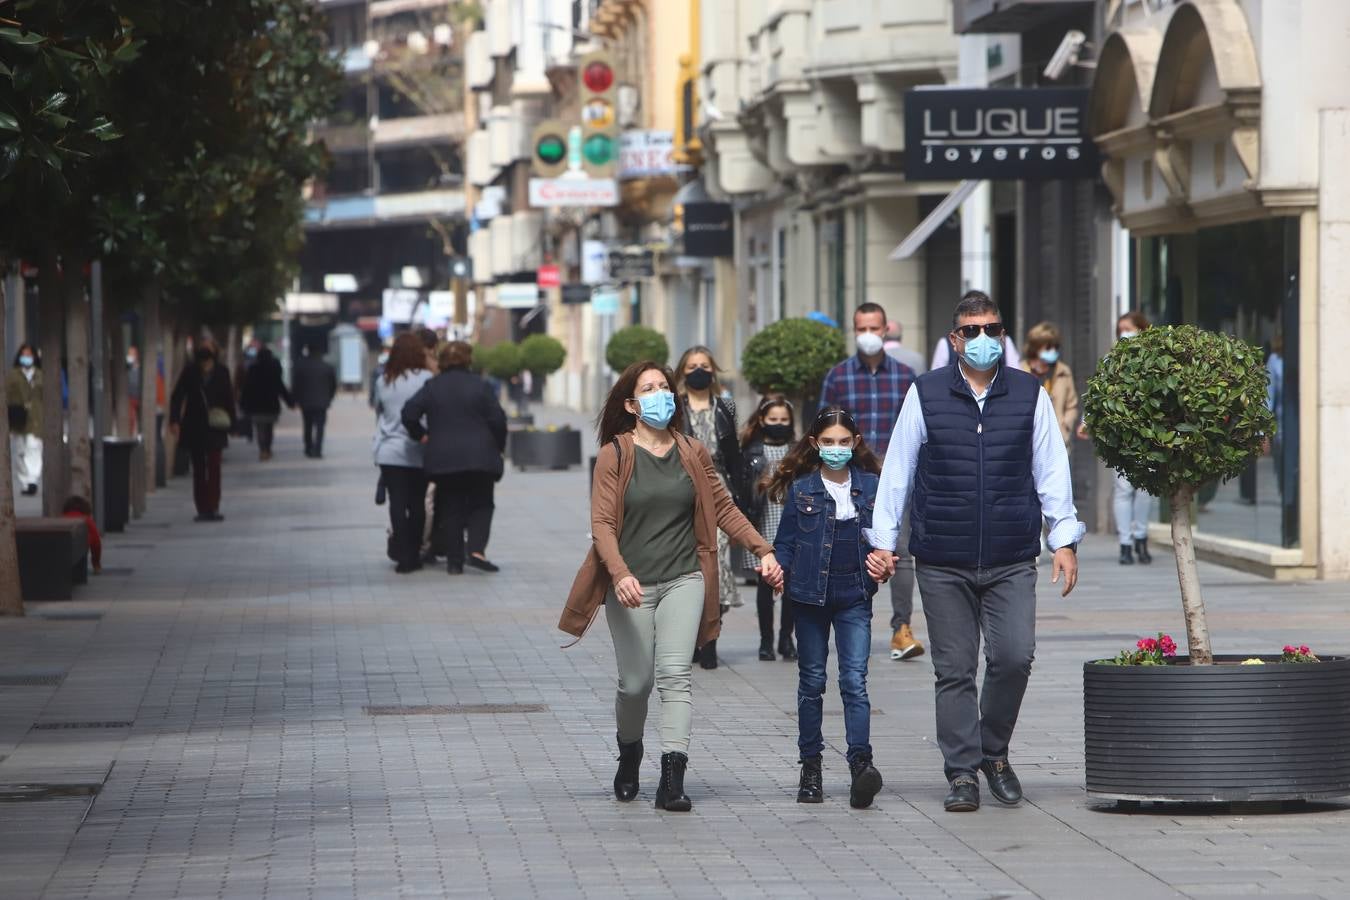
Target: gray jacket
x=393 y=446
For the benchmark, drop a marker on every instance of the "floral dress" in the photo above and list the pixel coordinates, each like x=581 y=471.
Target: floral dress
x=703 y=424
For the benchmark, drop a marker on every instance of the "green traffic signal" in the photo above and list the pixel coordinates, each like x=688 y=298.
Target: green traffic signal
x=551 y=149
x=598 y=149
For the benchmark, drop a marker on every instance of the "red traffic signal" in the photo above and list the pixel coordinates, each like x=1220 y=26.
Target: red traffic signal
x=598 y=76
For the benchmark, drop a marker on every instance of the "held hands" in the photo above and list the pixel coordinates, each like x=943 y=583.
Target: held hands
x=881 y=565
x=629 y=592
x=771 y=572
x=1066 y=564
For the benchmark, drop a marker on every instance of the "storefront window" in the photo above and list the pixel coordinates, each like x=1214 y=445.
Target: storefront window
x=1240 y=280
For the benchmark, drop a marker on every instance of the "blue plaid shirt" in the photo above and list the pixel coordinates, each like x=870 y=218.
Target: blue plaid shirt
x=873 y=399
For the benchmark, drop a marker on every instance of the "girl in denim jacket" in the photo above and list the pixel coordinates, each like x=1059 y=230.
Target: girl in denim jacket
x=828 y=487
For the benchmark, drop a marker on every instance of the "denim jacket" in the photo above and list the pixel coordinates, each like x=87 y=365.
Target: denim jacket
x=806 y=534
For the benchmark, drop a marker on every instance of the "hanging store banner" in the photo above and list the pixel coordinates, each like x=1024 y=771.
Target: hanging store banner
x=708 y=230
x=1026 y=134
x=594 y=260
x=398 y=304
x=631 y=263
x=647 y=154
x=576 y=293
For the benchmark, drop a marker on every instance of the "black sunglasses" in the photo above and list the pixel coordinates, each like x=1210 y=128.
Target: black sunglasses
x=969 y=332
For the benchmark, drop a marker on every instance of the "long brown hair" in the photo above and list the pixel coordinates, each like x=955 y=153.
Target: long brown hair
x=804 y=458
x=406 y=355
x=753 y=429
x=614 y=420
x=1135 y=318
x=714 y=389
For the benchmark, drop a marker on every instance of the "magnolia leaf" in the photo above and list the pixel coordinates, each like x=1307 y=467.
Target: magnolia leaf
x=21 y=38
x=8 y=122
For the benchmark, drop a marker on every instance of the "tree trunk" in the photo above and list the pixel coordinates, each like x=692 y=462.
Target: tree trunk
x=52 y=337
x=77 y=376
x=173 y=364
x=1183 y=544
x=150 y=351
x=11 y=595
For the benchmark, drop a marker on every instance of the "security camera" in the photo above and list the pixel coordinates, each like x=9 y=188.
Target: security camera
x=1066 y=54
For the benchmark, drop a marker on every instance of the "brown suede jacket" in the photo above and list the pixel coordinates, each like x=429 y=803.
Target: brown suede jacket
x=713 y=509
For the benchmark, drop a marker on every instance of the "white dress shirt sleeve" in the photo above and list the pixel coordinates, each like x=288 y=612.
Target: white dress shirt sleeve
x=1054 y=484
x=897 y=473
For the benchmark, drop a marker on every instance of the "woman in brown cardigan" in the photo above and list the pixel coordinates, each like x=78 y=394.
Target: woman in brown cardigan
x=656 y=505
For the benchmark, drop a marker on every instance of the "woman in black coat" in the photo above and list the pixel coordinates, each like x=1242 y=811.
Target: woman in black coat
x=262 y=396
x=457 y=416
x=203 y=389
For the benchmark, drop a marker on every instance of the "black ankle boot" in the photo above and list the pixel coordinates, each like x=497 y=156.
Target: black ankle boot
x=1126 y=557
x=707 y=656
x=766 y=650
x=786 y=648
x=670 y=792
x=866 y=781
x=811 y=788
x=630 y=762
x=1141 y=551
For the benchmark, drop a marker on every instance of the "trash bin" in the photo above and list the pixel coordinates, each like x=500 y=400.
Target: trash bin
x=117 y=482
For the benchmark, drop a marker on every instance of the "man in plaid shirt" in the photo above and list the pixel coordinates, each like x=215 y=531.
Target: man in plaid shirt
x=871 y=385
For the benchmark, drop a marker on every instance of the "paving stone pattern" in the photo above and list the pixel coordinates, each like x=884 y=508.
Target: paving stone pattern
x=257 y=661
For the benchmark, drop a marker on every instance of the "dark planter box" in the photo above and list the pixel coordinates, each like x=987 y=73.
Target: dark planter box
x=546 y=449
x=1221 y=733
x=117 y=453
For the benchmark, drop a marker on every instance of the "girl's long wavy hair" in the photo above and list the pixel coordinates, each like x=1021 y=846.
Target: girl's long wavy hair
x=804 y=458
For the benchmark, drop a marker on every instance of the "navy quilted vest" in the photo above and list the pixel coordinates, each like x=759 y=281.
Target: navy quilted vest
x=975 y=501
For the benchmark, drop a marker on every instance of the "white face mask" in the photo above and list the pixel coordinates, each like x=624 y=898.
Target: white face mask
x=869 y=344
x=1128 y=334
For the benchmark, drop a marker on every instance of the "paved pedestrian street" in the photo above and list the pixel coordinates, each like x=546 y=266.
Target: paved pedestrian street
x=262 y=708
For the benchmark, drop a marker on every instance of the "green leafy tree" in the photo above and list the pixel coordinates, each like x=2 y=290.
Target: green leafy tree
x=1172 y=409
x=636 y=343
x=541 y=355
x=792 y=356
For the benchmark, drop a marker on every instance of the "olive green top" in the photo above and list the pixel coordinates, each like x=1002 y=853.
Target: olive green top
x=658 y=519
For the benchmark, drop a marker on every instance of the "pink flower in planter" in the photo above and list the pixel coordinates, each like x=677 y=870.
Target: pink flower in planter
x=1169 y=646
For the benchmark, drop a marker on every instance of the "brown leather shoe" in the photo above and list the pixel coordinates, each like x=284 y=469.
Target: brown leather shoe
x=904 y=645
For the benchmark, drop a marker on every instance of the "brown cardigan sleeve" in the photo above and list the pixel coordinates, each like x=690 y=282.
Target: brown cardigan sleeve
x=605 y=499
x=729 y=516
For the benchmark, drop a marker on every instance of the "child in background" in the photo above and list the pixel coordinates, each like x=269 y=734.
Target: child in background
x=764 y=442
x=828 y=487
x=79 y=508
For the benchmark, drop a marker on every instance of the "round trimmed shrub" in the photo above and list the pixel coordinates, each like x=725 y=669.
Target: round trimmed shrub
x=542 y=355
x=502 y=361
x=636 y=343
x=792 y=356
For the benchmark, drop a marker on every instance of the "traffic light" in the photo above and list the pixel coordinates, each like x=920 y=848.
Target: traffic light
x=599 y=117
x=548 y=149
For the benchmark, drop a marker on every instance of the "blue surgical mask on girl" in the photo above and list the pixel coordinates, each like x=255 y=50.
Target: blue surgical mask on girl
x=1050 y=356
x=982 y=352
x=836 y=457
x=657 y=409
x=26 y=361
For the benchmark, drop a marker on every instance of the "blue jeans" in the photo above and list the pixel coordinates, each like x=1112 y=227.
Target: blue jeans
x=848 y=609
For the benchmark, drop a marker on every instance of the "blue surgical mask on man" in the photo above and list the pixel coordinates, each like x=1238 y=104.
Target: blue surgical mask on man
x=982 y=352
x=656 y=409
x=836 y=457
x=1050 y=356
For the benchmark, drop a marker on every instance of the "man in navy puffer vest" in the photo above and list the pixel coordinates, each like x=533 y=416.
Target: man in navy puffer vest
x=978 y=457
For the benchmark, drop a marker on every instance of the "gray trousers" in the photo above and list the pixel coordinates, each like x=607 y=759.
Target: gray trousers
x=959 y=604
x=1132 y=508
x=902 y=583
x=654 y=646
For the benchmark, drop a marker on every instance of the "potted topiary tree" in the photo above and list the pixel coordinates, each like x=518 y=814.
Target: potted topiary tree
x=553 y=448
x=636 y=343
x=1172 y=409
x=792 y=356
x=503 y=361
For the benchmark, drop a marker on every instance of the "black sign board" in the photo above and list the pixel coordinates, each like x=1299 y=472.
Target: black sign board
x=1027 y=134
x=576 y=293
x=708 y=230
x=631 y=264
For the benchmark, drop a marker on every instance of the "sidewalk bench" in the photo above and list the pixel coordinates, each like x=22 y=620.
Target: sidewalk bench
x=53 y=557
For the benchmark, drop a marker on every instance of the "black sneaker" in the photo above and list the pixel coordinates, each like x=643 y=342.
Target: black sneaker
x=478 y=562
x=454 y=568
x=866 y=781
x=1126 y=555
x=811 y=789
x=964 y=795
x=1003 y=782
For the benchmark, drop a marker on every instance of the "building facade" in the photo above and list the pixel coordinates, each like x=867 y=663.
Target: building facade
x=1224 y=127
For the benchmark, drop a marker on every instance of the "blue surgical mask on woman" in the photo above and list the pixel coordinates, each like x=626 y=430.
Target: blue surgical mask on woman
x=26 y=361
x=657 y=408
x=1050 y=356
x=836 y=458
x=982 y=352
